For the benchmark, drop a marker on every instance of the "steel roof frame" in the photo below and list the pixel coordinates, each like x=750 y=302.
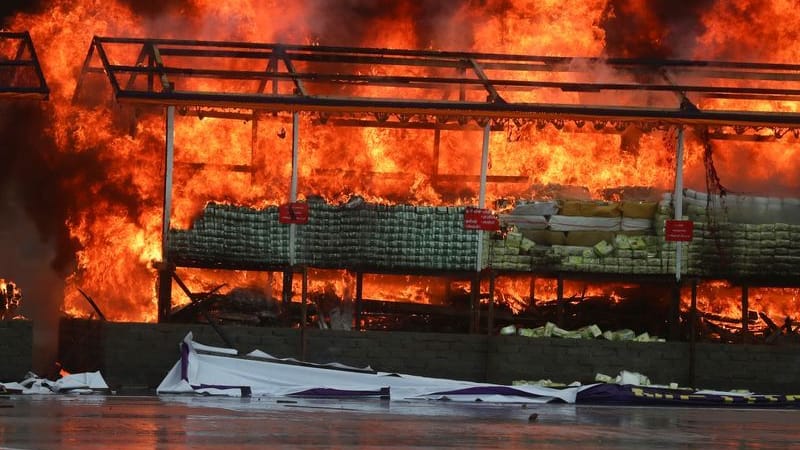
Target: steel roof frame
x=455 y=87
x=21 y=76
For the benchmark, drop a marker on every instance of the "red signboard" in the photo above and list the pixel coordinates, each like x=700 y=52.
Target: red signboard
x=480 y=219
x=293 y=213
x=679 y=230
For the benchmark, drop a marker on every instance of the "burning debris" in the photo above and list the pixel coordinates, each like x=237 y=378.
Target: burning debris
x=10 y=299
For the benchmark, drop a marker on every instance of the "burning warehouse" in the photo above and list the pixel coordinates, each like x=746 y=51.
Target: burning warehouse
x=493 y=164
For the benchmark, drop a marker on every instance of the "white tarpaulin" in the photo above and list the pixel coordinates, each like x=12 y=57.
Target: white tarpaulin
x=80 y=383
x=218 y=371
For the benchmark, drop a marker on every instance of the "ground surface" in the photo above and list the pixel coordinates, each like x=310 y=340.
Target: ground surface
x=115 y=422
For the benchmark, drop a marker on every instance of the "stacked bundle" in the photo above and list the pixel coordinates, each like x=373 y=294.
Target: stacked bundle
x=513 y=253
x=743 y=236
x=625 y=254
x=231 y=235
x=387 y=237
x=736 y=249
x=357 y=234
x=584 y=236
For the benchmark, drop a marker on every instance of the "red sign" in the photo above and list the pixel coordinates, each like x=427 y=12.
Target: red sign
x=679 y=230
x=293 y=213
x=480 y=219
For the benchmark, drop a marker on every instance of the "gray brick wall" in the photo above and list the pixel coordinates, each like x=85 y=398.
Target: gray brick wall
x=139 y=355
x=16 y=349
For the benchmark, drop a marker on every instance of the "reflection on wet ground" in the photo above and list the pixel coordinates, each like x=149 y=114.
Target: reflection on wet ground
x=113 y=422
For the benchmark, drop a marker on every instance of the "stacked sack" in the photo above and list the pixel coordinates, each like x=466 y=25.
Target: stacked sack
x=231 y=235
x=361 y=234
x=744 y=236
x=587 y=235
x=357 y=234
x=515 y=253
x=624 y=254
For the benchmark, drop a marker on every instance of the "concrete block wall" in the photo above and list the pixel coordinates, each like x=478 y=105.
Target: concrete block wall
x=758 y=368
x=132 y=355
x=566 y=360
x=16 y=349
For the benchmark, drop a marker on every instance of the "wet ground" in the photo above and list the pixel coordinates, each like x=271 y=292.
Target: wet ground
x=115 y=422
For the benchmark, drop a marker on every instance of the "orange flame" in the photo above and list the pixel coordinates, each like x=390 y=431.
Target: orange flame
x=117 y=222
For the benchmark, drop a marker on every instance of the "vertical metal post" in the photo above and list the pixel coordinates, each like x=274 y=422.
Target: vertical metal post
x=678 y=199
x=745 y=314
x=484 y=166
x=293 y=188
x=482 y=191
x=165 y=275
x=437 y=142
x=675 y=311
x=253 y=147
x=490 y=314
x=303 y=313
x=169 y=157
x=475 y=299
x=359 y=298
x=532 y=297
x=286 y=295
x=692 y=334
x=560 y=300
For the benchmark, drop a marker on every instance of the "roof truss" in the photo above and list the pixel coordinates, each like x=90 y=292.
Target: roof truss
x=20 y=72
x=399 y=87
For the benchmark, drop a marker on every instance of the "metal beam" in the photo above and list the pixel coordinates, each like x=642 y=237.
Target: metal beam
x=337 y=69
x=461 y=109
x=16 y=82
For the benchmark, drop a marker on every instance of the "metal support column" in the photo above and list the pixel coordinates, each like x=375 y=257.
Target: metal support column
x=303 y=314
x=560 y=300
x=482 y=191
x=286 y=294
x=745 y=314
x=475 y=302
x=678 y=199
x=165 y=272
x=490 y=313
x=693 y=334
x=437 y=139
x=293 y=187
x=359 y=298
x=675 y=312
x=532 y=297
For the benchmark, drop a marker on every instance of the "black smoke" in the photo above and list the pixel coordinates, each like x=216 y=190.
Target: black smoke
x=8 y=8
x=653 y=28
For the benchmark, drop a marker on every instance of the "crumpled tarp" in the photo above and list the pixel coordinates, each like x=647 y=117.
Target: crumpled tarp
x=628 y=394
x=220 y=371
x=76 y=383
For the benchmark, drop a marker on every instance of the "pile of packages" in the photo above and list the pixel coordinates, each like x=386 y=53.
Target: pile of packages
x=584 y=236
x=236 y=235
x=742 y=236
x=550 y=329
x=733 y=236
x=354 y=234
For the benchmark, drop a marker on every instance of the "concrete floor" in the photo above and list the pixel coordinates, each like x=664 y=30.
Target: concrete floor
x=115 y=422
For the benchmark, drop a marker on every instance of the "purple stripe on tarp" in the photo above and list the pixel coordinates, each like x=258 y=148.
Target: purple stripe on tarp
x=184 y=361
x=488 y=390
x=615 y=394
x=329 y=392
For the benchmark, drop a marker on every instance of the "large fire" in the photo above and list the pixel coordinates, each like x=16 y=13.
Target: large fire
x=111 y=157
